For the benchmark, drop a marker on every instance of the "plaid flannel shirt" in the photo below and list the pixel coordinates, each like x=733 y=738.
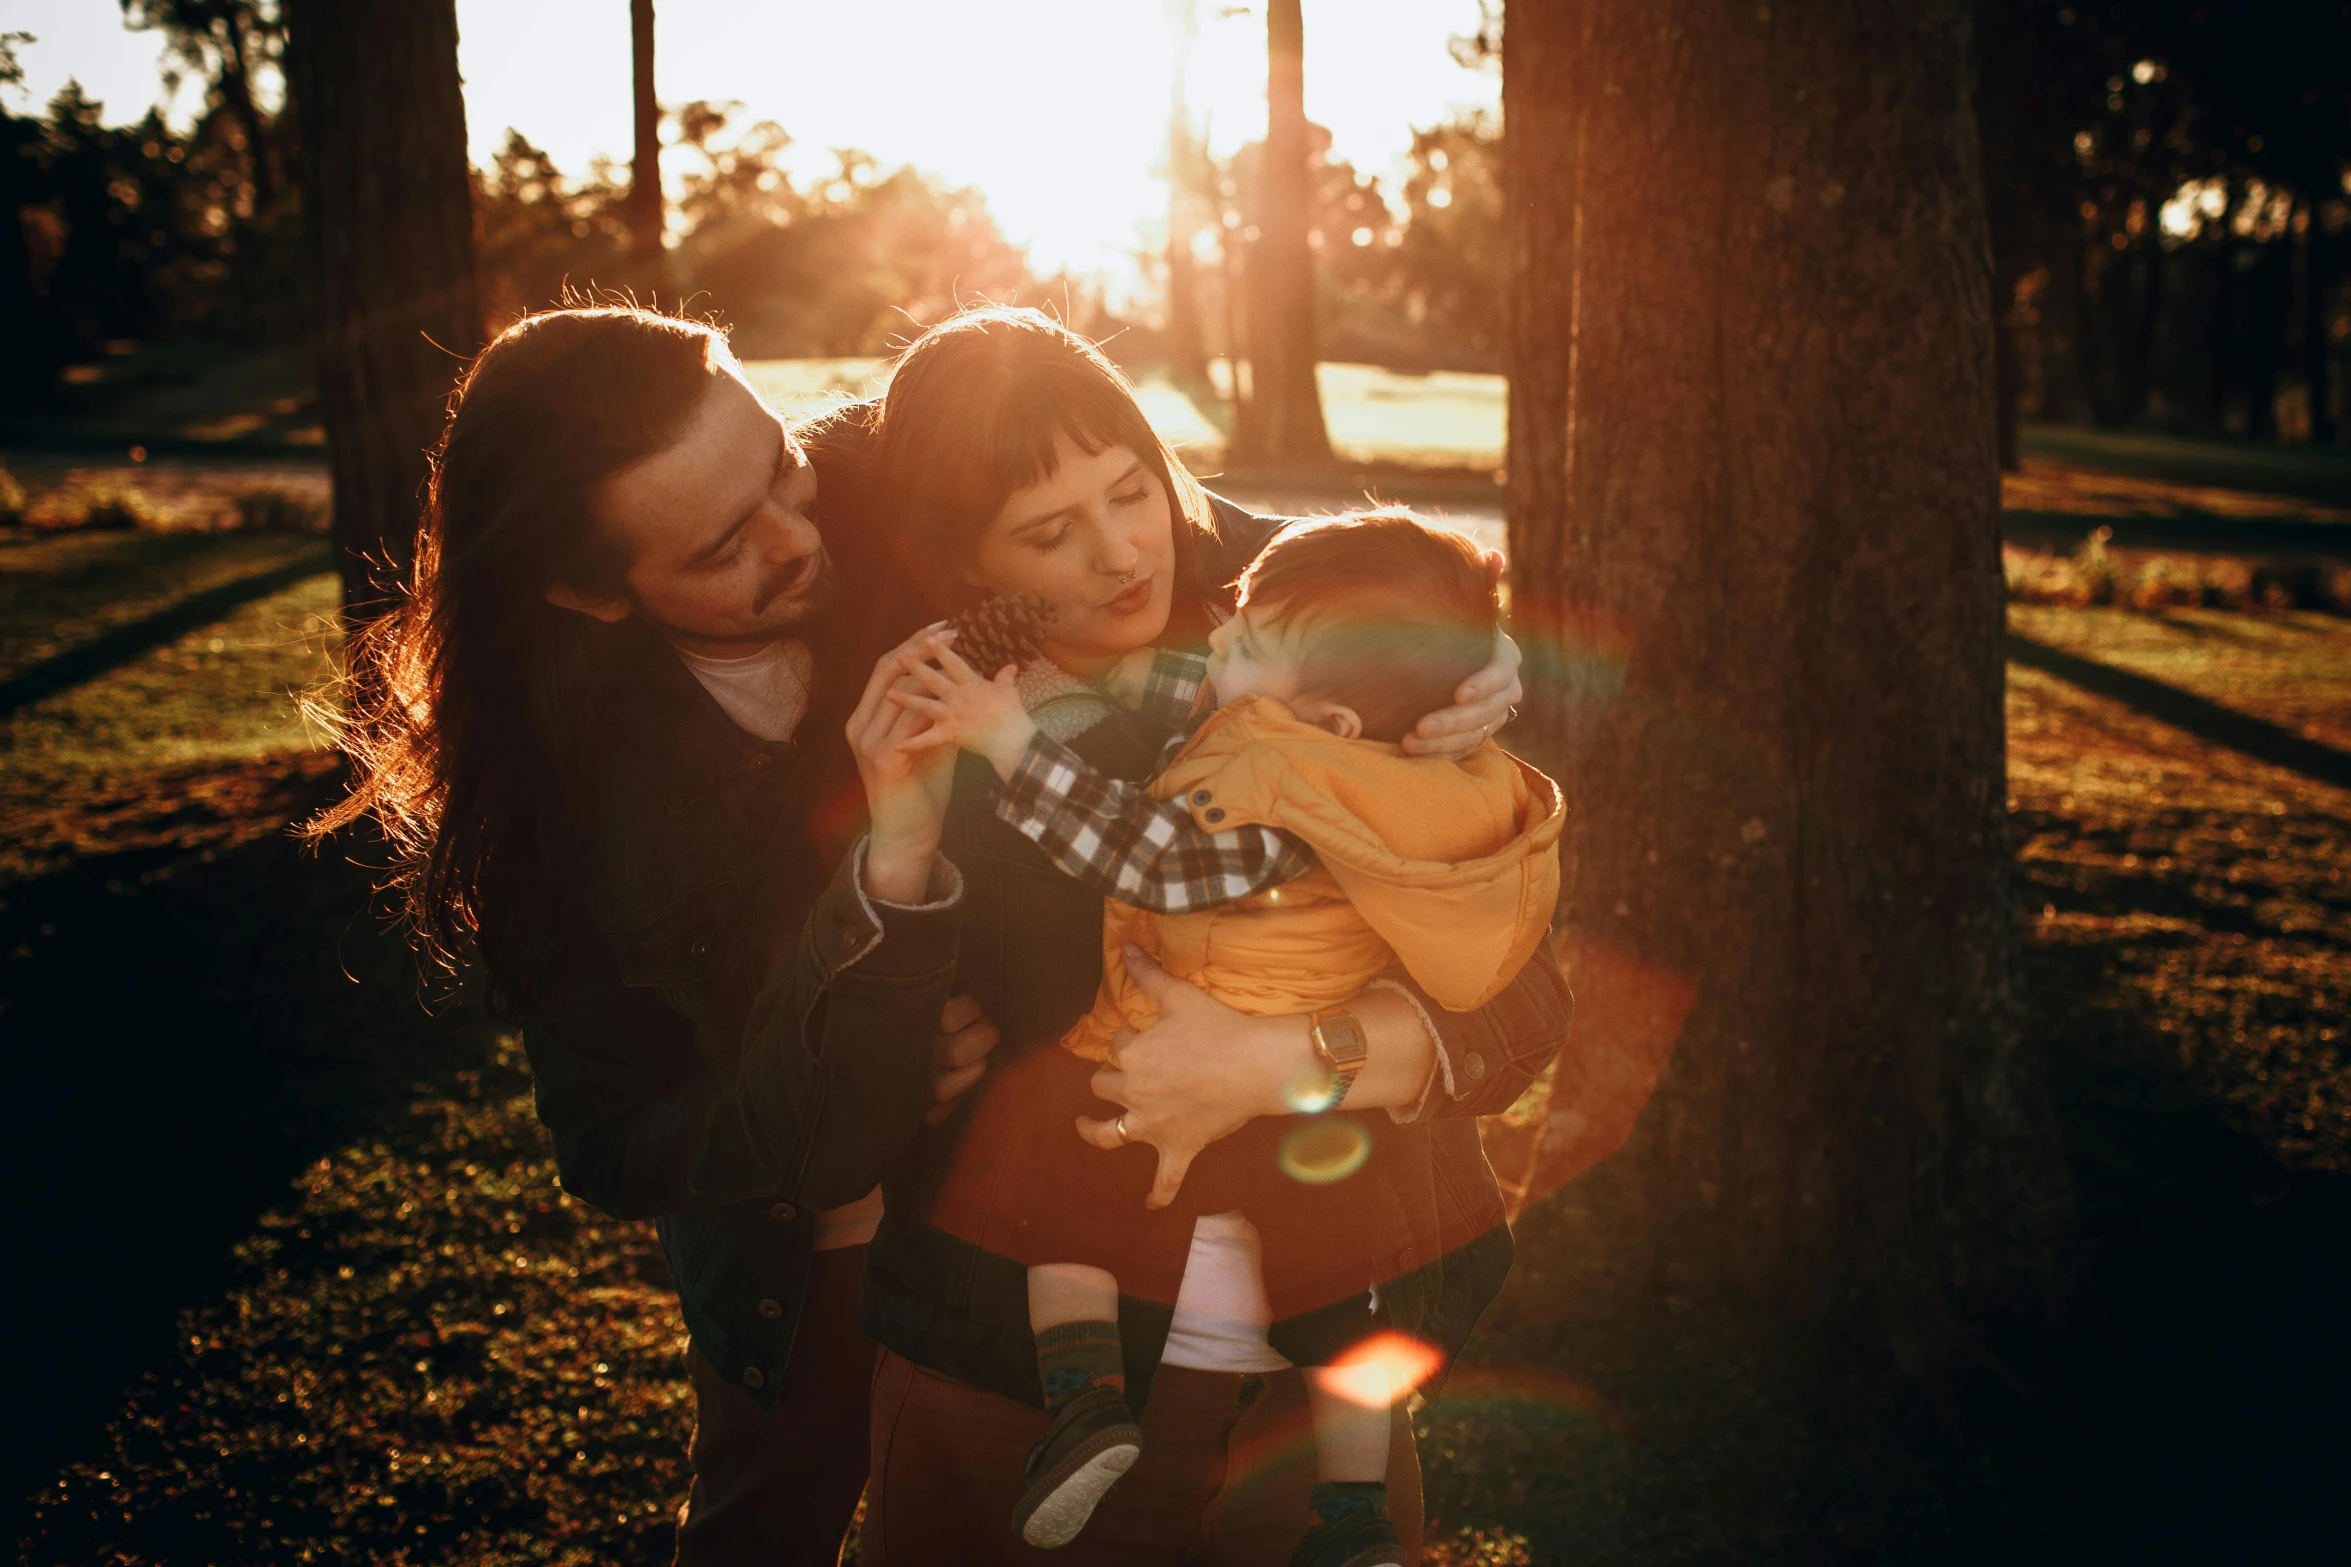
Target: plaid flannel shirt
x=1113 y=836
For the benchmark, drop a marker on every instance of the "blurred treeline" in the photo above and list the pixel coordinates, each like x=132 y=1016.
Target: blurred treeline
x=2166 y=180
x=2167 y=183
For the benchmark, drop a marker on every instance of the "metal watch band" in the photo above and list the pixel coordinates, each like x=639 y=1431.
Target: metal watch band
x=1341 y=1045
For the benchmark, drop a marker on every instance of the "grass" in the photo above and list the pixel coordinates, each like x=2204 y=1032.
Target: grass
x=305 y=1291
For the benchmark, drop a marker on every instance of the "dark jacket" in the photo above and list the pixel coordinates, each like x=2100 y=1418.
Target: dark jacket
x=1032 y=956
x=735 y=1037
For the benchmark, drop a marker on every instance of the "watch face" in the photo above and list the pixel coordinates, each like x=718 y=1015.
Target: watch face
x=1343 y=1040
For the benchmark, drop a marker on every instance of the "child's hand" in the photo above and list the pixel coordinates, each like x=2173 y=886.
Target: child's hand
x=1125 y=679
x=965 y=709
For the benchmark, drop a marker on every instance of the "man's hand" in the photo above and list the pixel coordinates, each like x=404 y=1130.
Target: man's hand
x=959 y=1055
x=1481 y=704
x=1200 y=1073
x=967 y=710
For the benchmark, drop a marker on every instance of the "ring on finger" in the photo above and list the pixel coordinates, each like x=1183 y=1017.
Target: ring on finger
x=1120 y=1126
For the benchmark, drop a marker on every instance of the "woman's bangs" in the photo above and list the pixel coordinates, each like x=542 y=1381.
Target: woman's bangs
x=1093 y=414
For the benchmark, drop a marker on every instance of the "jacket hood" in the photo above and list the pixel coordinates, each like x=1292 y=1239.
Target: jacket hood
x=1454 y=864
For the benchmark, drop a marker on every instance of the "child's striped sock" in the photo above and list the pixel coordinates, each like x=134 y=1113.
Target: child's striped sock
x=1075 y=1356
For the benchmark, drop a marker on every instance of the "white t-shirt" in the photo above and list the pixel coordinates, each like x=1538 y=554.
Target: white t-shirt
x=767 y=695
x=1221 y=1312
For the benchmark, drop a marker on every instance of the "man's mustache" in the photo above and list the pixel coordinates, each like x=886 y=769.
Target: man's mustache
x=806 y=574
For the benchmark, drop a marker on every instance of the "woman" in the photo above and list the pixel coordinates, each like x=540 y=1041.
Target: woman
x=1009 y=456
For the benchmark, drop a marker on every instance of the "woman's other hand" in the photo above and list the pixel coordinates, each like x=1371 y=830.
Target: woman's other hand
x=906 y=780
x=1202 y=1072
x=1482 y=704
x=959 y=1055
x=967 y=710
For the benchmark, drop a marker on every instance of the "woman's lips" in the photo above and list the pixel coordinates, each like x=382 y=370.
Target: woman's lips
x=1133 y=599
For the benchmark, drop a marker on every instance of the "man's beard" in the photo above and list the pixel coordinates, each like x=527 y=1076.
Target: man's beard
x=794 y=613
x=809 y=593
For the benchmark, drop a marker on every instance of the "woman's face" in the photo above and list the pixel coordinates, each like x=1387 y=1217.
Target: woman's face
x=1097 y=541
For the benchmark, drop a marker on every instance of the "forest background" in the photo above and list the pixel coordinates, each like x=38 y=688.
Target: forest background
x=2044 y=1262
x=2165 y=186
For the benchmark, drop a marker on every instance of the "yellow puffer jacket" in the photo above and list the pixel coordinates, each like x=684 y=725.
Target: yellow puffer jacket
x=1451 y=868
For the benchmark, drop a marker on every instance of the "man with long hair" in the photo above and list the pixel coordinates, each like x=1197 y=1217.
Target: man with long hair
x=597 y=741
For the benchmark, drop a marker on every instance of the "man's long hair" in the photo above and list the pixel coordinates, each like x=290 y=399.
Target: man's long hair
x=454 y=713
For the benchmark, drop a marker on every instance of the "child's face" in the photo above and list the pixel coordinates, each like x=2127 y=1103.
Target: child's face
x=1247 y=658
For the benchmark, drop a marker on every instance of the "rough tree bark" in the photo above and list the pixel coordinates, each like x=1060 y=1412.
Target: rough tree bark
x=645 y=211
x=388 y=203
x=1280 y=421
x=1753 y=513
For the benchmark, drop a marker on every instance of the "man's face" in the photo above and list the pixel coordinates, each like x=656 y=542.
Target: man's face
x=722 y=555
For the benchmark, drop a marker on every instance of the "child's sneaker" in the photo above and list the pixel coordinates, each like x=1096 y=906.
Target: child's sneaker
x=1363 y=1539
x=1093 y=1441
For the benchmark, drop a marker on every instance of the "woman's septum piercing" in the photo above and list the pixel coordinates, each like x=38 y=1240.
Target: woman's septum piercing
x=1120 y=1126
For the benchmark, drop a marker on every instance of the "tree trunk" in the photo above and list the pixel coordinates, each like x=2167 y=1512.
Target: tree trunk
x=2272 y=305
x=1281 y=422
x=2146 y=325
x=236 y=85
x=2221 y=362
x=28 y=360
x=645 y=212
x=2007 y=373
x=388 y=205
x=1187 y=344
x=1753 y=511
x=2317 y=350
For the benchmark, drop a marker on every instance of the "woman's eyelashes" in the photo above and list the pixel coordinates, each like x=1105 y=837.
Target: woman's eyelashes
x=1045 y=544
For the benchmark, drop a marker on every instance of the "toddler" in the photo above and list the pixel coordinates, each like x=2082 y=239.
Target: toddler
x=1287 y=855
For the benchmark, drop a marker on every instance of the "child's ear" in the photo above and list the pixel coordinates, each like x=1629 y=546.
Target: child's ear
x=1337 y=717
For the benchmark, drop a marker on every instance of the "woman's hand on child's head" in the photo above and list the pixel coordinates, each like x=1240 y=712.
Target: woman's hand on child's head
x=1482 y=704
x=964 y=708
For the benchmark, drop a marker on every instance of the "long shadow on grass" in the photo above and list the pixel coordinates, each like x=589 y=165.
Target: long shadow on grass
x=2195 y=1414
x=113 y=649
x=187 y=1030
x=2209 y=720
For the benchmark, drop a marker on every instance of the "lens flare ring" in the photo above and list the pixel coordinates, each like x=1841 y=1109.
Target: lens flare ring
x=1323 y=1153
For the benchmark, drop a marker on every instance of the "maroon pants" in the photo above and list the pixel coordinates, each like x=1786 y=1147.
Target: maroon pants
x=1227 y=1468
x=1060 y=1199
x=778 y=1487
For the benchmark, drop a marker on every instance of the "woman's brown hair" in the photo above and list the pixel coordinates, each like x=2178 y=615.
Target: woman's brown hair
x=971 y=417
x=455 y=704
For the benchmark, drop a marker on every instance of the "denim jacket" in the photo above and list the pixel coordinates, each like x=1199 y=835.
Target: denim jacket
x=736 y=1039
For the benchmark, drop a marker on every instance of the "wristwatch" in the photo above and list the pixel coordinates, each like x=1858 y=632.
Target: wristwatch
x=1341 y=1045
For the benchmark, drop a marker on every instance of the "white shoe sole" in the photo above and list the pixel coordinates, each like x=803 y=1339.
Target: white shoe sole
x=1062 y=1513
